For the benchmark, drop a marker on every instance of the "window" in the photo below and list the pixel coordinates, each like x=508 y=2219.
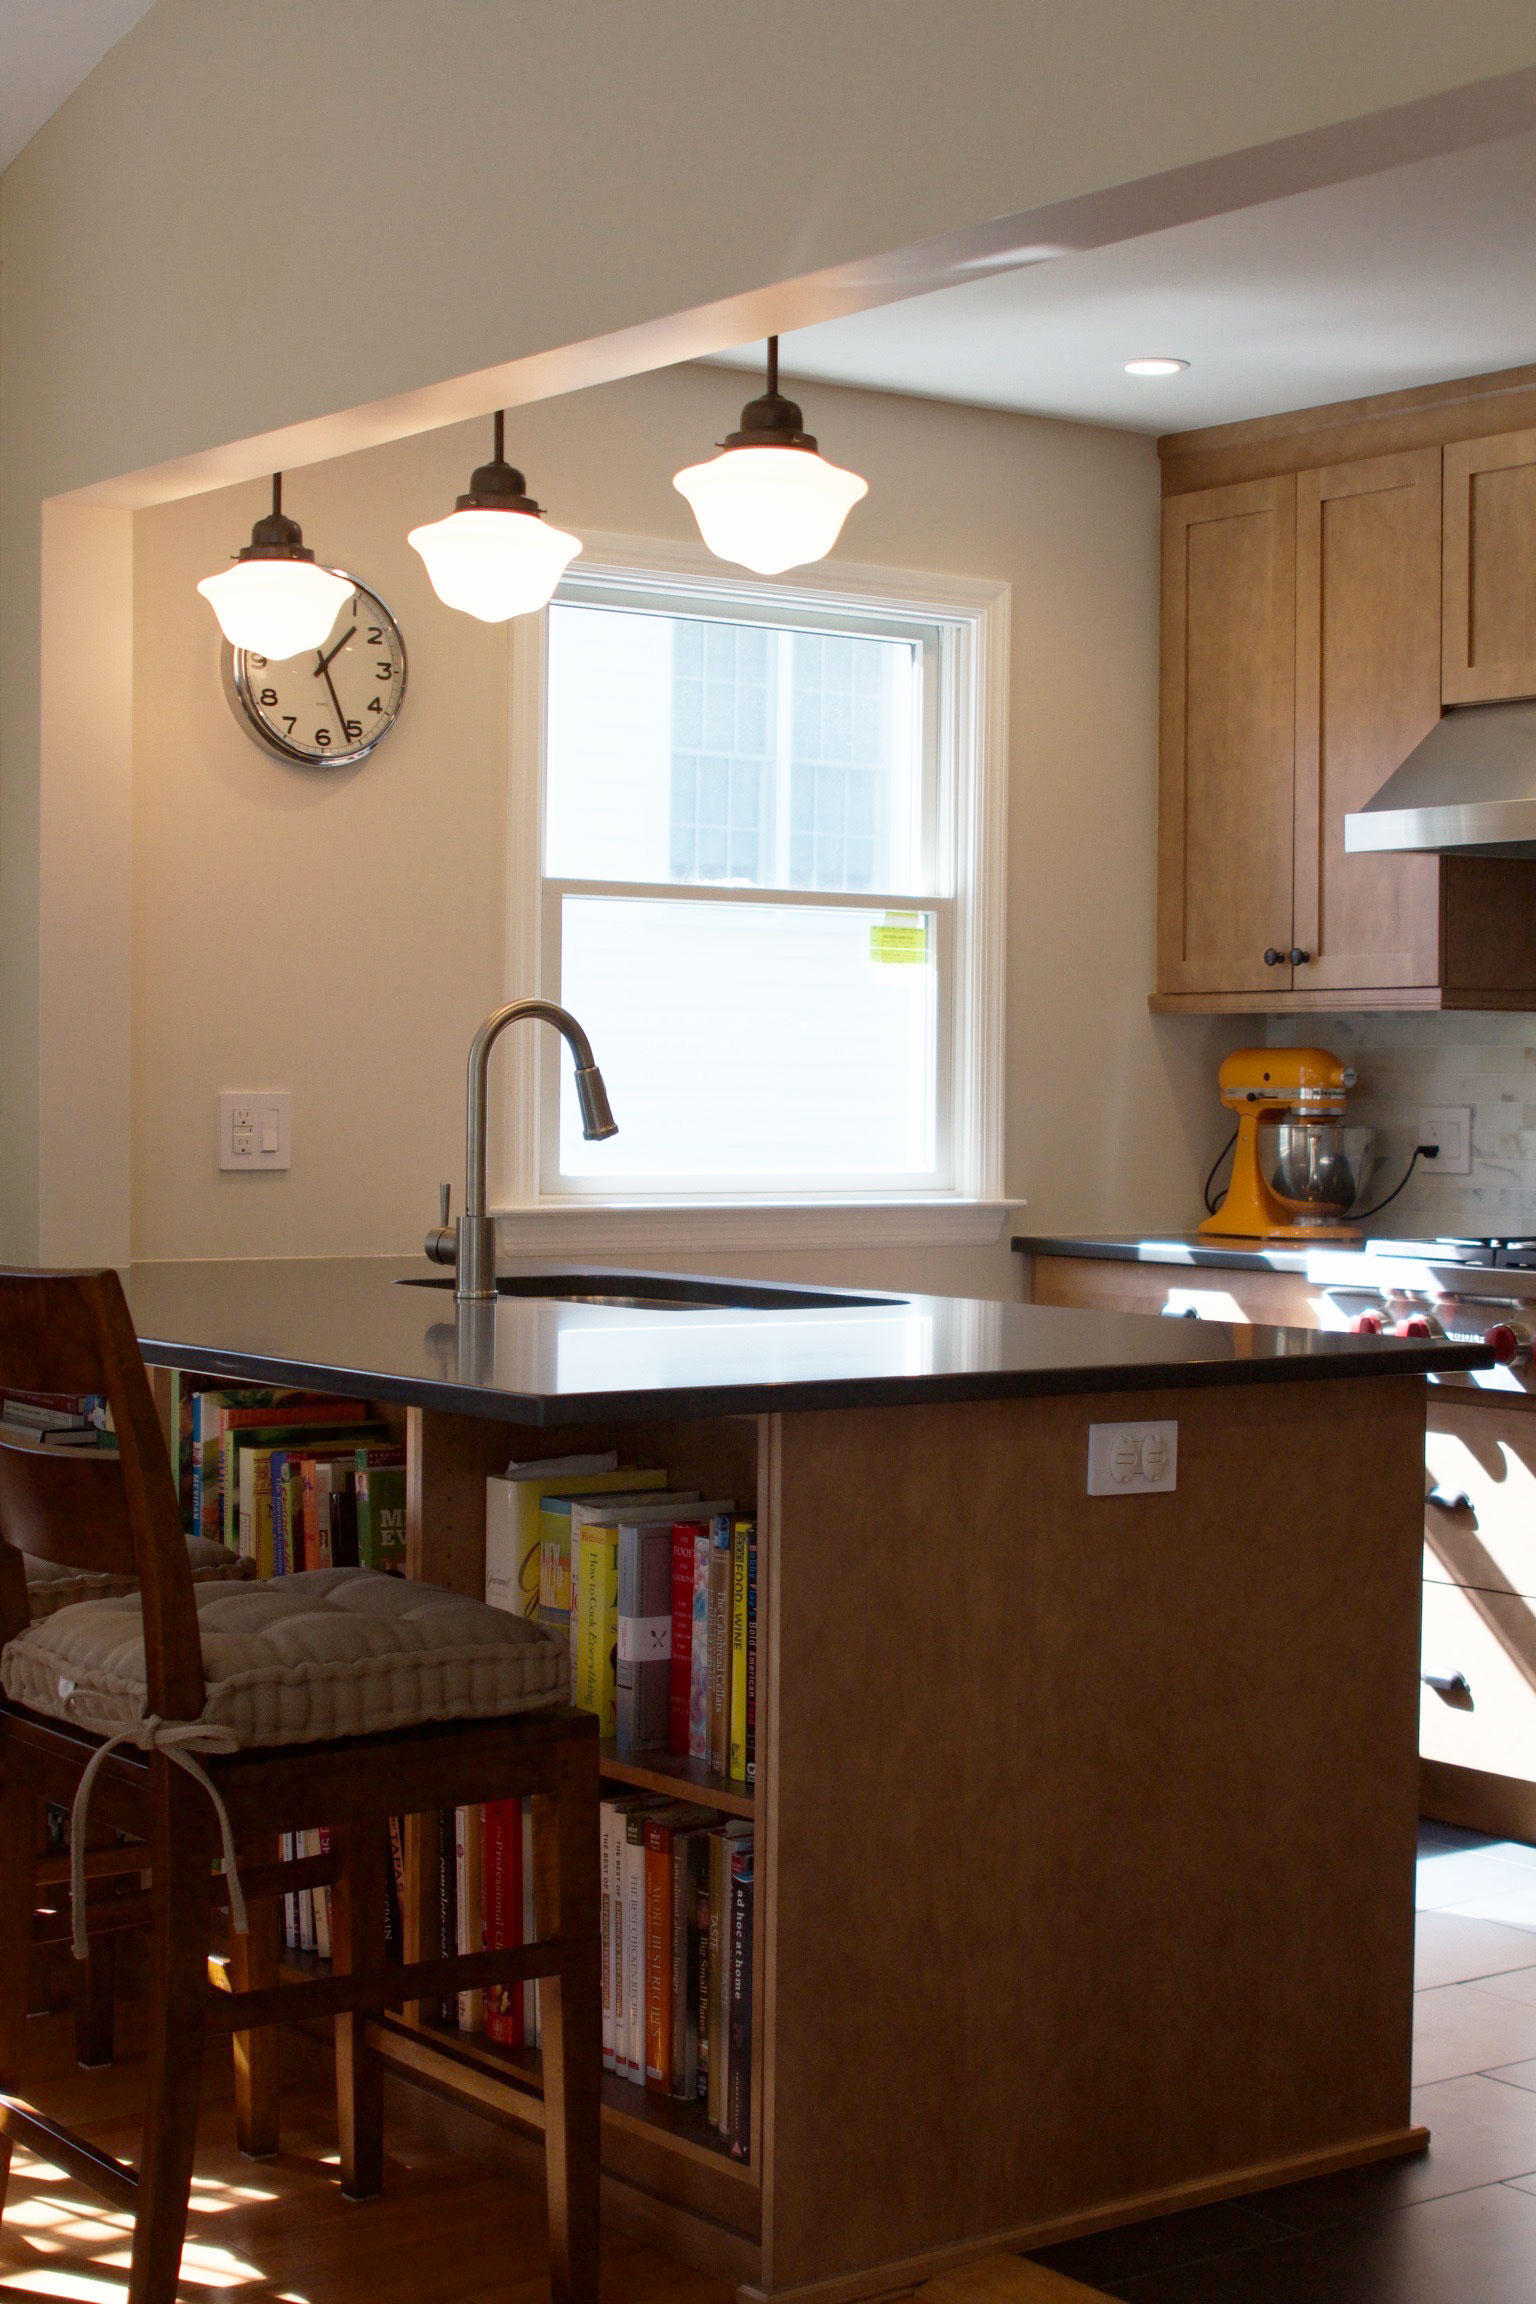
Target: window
x=760 y=849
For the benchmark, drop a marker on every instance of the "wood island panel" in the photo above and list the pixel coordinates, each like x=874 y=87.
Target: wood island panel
x=1089 y=1826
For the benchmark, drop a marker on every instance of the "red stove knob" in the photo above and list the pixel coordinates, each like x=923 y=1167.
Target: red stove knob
x=1414 y=1325
x=1365 y=1324
x=1503 y=1342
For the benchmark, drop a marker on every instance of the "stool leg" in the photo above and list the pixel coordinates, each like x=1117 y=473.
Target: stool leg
x=181 y=1854
x=95 y=2009
x=18 y=1813
x=254 y=1961
x=358 y=1948
x=566 y=1892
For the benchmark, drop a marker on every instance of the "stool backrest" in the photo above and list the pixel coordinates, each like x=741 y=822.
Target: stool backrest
x=112 y=1511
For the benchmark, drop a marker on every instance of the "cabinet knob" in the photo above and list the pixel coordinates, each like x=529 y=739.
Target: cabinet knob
x=1299 y=958
x=1274 y=959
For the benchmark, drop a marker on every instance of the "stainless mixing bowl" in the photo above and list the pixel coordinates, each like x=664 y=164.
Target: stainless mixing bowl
x=1318 y=1169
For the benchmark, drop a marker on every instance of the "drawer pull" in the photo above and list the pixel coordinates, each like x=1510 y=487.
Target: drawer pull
x=1455 y=1690
x=1449 y=1499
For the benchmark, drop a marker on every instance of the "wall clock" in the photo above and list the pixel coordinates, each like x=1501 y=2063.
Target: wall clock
x=333 y=706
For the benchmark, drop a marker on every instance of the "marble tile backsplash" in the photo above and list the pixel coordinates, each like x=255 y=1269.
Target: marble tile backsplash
x=1487 y=1062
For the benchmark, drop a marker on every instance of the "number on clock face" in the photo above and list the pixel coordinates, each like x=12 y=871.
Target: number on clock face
x=329 y=707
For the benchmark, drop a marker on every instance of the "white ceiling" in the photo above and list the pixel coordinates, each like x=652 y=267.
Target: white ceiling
x=46 y=49
x=1410 y=277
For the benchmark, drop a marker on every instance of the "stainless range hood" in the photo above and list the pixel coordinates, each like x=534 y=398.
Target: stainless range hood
x=1469 y=786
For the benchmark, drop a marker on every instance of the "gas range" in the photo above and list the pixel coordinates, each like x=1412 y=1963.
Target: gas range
x=1398 y=1304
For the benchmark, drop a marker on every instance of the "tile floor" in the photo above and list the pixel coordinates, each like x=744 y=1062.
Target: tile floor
x=1455 y=2227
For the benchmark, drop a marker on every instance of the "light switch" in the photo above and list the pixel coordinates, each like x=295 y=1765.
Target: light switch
x=255 y=1129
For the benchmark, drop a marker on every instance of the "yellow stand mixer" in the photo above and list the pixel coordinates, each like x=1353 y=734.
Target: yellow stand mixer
x=1296 y=1171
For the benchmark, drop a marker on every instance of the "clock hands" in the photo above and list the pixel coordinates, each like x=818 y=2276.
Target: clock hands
x=323 y=662
x=323 y=659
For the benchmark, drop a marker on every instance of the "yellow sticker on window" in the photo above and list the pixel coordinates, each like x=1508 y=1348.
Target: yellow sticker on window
x=899 y=937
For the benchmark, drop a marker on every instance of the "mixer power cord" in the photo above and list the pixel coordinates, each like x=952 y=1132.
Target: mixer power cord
x=1357 y=1215
x=1211 y=1205
x=1420 y=1152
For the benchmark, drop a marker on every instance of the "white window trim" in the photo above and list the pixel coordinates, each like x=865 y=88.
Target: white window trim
x=973 y=857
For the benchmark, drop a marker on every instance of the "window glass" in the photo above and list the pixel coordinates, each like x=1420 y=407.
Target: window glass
x=696 y=750
x=753 y=1040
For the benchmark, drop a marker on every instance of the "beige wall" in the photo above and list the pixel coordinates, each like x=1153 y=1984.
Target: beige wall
x=204 y=245
x=342 y=935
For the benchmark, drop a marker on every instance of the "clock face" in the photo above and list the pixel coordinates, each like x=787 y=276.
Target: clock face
x=329 y=707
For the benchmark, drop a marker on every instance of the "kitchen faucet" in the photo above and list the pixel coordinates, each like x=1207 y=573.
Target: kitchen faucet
x=473 y=1249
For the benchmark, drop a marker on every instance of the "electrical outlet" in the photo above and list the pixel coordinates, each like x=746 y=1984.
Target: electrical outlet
x=255 y=1128
x=1450 y=1127
x=1133 y=1459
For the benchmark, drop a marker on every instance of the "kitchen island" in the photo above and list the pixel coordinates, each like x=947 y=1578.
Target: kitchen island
x=1477 y=1725
x=1084 y=1822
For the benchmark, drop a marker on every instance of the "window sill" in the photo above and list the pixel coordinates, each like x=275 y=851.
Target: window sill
x=646 y=1228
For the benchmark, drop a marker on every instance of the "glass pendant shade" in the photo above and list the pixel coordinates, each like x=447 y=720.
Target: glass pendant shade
x=275 y=601
x=769 y=501
x=494 y=556
x=494 y=564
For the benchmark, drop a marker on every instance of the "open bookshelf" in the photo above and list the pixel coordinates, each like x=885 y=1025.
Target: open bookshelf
x=667 y=2171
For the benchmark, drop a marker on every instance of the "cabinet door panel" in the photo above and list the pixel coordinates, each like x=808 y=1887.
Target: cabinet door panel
x=1367 y=690
x=1226 y=806
x=1490 y=569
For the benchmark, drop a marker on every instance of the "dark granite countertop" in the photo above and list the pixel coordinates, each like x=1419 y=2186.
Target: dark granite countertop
x=1169 y=1248
x=345 y=1325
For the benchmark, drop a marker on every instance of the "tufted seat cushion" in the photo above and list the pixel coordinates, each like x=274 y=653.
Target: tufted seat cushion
x=51 y=1586
x=292 y=1660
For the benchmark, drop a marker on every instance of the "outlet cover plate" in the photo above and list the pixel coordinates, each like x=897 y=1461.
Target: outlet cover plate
x=1133 y=1459
x=1449 y=1126
x=255 y=1129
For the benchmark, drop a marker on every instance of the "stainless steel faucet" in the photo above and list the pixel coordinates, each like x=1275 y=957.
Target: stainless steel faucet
x=473 y=1248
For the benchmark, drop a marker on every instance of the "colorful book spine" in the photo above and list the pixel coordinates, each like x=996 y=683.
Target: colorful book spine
x=720 y=1643
x=739 y=2098
x=698 y=1659
x=632 y=1897
x=447 y=1903
x=502 y=1913
x=379 y=1476
x=658 y=1955
x=737 y=1740
x=607 y=1880
x=752 y=1655
x=597 y=1609
x=643 y=1653
x=468 y=1877
x=680 y=1666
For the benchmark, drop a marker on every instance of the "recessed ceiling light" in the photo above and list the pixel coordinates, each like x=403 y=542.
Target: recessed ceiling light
x=1156 y=365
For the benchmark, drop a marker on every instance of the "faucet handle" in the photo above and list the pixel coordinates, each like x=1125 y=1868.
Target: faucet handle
x=442 y=1244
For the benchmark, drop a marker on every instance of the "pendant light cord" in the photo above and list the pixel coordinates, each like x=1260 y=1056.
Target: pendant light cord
x=277 y=495
x=773 y=366
x=500 y=433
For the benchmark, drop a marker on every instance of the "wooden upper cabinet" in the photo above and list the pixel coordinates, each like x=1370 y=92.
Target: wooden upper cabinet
x=1225 y=817
x=1367 y=629
x=1490 y=569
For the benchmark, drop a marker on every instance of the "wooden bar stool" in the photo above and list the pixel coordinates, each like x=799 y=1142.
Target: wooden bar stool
x=177 y=1715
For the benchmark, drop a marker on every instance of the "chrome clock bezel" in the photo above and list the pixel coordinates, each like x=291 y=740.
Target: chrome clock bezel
x=242 y=701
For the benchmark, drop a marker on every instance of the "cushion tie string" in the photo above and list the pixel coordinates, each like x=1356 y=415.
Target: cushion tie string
x=179 y=1740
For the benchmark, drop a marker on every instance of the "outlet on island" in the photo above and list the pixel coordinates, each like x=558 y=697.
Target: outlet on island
x=1133 y=1459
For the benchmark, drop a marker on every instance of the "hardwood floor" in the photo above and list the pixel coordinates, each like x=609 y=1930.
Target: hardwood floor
x=449 y=2229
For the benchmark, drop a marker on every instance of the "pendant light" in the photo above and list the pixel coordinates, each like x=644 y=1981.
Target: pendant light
x=769 y=501
x=275 y=601
x=494 y=556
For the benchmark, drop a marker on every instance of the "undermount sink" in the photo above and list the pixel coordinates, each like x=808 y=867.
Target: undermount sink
x=639 y=1291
